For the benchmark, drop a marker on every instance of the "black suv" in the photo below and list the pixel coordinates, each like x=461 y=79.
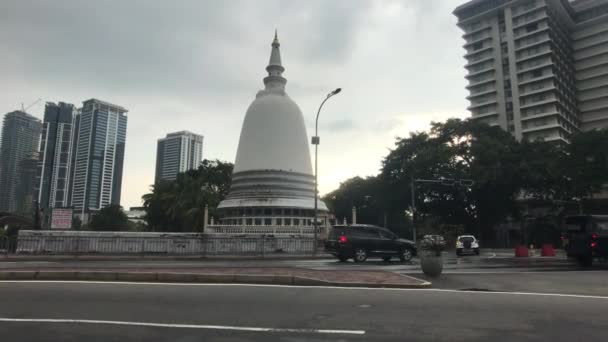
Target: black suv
x=586 y=238
x=361 y=241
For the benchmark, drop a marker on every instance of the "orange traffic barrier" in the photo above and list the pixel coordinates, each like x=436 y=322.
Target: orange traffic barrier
x=521 y=251
x=547 y=250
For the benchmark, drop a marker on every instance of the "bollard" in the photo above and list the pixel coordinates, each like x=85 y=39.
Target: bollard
x=547 y=250
x=521 y=251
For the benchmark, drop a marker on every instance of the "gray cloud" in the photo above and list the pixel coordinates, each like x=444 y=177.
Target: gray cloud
x=197 y=64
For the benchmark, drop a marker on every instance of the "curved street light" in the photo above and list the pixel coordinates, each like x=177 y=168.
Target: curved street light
x=315 y=141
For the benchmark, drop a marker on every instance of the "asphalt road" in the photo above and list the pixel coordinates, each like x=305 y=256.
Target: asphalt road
x=492 y=271
x=265 y=313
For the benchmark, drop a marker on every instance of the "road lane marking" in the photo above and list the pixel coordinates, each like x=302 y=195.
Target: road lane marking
x=185 y=326
x=541 y=294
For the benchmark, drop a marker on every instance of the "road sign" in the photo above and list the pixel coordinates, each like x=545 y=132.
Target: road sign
x=61 y=218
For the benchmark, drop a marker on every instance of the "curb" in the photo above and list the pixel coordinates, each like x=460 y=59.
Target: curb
x=210 y=278
x=89 y=257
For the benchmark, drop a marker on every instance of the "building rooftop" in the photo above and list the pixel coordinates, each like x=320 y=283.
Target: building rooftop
x=180 y=133
x=120 y=108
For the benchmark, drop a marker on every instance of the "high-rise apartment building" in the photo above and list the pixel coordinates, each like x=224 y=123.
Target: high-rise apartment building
x=20 y=139
x=26 y=184
x=537 y=68
x=178 y=152
x=53 y=180
x=99 y=156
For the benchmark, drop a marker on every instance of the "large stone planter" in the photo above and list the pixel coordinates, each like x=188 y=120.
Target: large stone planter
x=431 y=263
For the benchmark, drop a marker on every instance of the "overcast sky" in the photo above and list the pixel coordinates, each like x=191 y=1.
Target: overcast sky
x=197 y=65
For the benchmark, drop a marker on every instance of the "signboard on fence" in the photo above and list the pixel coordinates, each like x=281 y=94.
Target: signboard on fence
x=61 y=218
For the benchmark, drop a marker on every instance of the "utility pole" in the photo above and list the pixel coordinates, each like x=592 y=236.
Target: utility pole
x=413 y=209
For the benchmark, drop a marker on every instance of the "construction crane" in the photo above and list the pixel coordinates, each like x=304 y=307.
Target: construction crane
x=24 y=109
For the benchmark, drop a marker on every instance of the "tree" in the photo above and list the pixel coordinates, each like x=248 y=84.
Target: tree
x=179 y=205
x=456 y=149
x=110 y=218
x=585 y=163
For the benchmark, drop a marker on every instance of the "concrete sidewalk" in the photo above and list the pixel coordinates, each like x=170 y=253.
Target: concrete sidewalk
x=250 y=275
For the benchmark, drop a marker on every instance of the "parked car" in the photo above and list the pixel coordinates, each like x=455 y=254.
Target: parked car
x=585 y=238
x=467 y=244
x=362 y=241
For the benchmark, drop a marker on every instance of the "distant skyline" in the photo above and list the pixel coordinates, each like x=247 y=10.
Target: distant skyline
x=197 y=65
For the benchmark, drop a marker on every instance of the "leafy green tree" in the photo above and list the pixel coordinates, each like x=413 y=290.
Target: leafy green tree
x=585 y=163
x=110 y=218
x=456 y=149
x=179 y=205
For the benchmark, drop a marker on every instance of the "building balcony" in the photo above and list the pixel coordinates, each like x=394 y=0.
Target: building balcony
x=472 y=62
x=485 y=92
x=471 y=53
x=528 y=34
x=479 y=29
x=536 y=79
x=531 y=21
x=539 y=66
x=528 y=57
x=482 y=104
x=530 y=10
x=472 y=42
x=537 y=91
x=597 y=93
x=479 y=83
x=484 y=115
x=539 y=103
x=601 y=60
x=538 y=42
x=588 y=106
x=539 y=115
x=476 y=73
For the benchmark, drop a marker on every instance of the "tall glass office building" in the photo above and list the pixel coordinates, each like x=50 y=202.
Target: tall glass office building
x=99 y=156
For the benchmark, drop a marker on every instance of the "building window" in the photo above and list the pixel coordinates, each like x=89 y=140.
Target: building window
x=477 y=46
x=279 y=222
x=249 y=221
x=537 y=73
x=532 y=27
x=296 y=222
x=267 y=221
x=258 y=221
x=288 y=222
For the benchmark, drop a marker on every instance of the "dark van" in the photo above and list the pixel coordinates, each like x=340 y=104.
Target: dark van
x=586 y=237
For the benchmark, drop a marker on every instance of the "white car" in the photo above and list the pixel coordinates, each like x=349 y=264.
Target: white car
x=467 y=244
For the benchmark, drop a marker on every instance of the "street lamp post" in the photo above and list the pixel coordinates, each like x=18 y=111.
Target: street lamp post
x=315 y=141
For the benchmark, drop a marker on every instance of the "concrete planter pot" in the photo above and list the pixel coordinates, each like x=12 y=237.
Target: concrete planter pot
x=431 y=263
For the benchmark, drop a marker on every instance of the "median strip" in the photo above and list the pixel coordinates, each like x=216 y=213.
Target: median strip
x=277 y=276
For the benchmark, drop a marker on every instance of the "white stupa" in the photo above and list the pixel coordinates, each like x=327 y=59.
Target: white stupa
x=272 y=182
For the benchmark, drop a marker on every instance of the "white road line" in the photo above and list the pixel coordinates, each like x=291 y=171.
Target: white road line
x=541 y=294
x=184 y=326
x=548 y=272
x=424 y=282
